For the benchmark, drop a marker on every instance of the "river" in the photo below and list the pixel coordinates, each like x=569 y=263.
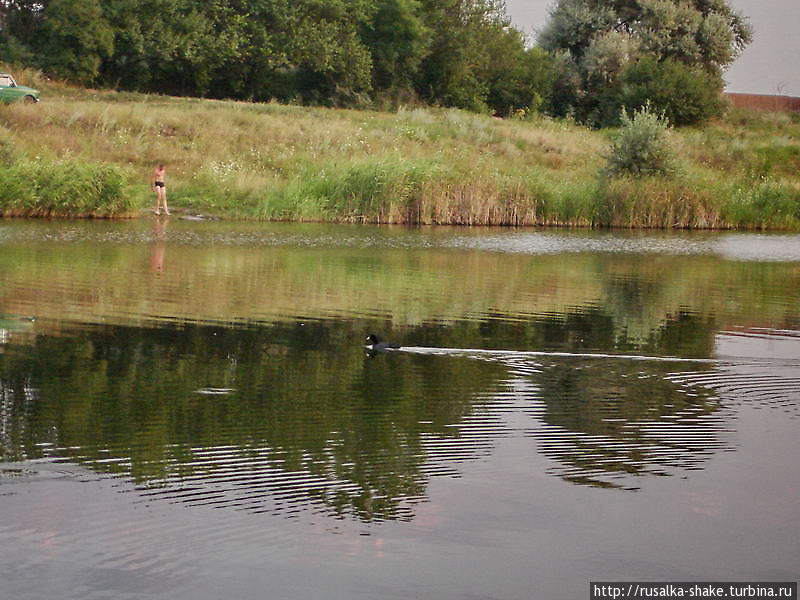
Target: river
x=187 y=410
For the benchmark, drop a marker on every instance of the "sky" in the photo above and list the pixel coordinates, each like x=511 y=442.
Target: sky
x=771 y=64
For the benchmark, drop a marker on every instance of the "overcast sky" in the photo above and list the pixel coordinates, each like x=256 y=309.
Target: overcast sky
x=772 y=60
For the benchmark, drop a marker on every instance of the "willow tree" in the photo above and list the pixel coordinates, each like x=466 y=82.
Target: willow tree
x=598 y=42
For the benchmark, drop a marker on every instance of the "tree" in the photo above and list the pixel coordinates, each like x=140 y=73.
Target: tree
x=398 y=41
x=203 y=36
x=308 y=50
x=461 y=53
x=519 y=77
x=597 y=41
x=333 y=64
x=448 y=75
x=477 y=60
x=685 y=95
x=74 y=39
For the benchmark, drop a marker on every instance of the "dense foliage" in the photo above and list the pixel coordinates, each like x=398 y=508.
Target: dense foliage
x=461 y=53
x=593 y=57
x=684 y=94
x=622 y=53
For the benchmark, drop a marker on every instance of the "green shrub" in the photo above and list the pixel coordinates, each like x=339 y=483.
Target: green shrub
x=685 y=95
x=642 y=146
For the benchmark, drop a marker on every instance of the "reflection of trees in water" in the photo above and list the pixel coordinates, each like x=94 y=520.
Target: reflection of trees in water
x=17 y=396
x=605 y=421
x=263 y=419
x=278 y=418
x=592 y=329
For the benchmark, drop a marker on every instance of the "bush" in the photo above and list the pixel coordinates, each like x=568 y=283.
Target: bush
x=642 y=146
x=685 y=95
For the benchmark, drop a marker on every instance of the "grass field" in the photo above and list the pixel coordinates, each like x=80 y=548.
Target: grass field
x=90 y=153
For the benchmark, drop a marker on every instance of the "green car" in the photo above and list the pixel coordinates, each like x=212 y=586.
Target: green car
x=11 y=92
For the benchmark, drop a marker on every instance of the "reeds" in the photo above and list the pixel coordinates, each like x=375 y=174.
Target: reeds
x=64 y=188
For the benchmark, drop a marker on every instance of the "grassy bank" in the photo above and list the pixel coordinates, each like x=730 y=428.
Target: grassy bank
x=278 y=162
x=64 y=188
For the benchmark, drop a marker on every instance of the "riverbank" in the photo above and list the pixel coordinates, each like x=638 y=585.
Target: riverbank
x=425 y=165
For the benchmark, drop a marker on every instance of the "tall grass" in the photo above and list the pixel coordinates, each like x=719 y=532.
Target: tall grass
x=281 y=162
x=64 y=188
x=764 y=204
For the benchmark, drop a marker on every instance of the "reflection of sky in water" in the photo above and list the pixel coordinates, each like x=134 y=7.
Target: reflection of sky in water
x=764 y=344
x=736 y=246
x=731 y=247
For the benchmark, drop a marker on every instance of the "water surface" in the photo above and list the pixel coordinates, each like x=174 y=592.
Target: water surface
x=186 y=410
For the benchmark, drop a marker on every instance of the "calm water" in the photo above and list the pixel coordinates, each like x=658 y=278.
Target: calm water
x=187 y=411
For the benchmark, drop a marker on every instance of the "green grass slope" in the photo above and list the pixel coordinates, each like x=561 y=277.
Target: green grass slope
x=85 y=152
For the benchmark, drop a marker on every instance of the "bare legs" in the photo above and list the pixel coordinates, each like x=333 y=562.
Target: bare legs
x=161 y=199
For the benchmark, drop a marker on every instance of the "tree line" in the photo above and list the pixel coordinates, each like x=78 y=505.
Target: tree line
x=592 y=57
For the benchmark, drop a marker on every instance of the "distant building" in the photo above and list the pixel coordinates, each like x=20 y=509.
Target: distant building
x=765 y=102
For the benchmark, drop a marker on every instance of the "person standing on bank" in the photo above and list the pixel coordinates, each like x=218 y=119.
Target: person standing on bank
x=160 y=188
